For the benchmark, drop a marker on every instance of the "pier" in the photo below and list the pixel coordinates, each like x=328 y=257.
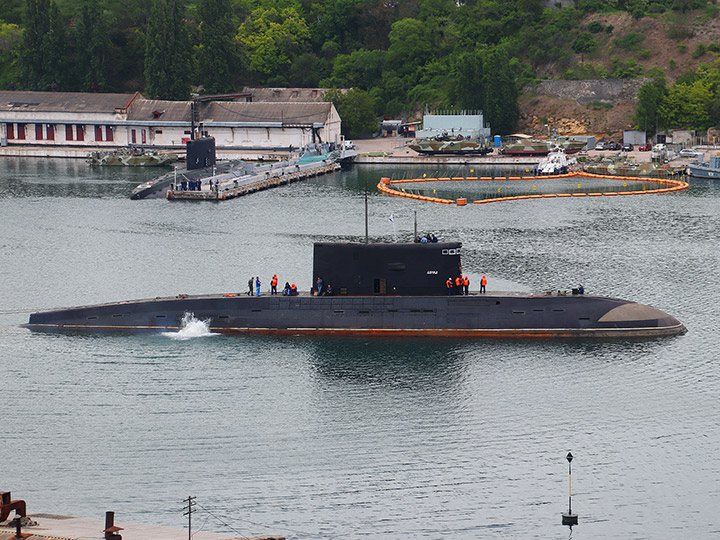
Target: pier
x=218 y=189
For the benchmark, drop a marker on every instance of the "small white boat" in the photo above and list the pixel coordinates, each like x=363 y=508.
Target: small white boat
x=556 y=162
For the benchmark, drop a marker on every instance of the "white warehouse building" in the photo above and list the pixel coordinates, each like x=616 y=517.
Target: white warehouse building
x=92 y=120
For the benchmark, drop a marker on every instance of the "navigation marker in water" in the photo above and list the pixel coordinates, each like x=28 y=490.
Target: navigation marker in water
x=569 y=518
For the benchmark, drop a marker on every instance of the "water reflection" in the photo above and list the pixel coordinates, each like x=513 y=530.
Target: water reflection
x=55 y=177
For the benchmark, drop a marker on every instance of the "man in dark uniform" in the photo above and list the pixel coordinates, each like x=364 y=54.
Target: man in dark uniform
x=250 y=285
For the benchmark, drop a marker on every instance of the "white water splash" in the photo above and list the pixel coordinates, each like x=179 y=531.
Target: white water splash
x=191 y=328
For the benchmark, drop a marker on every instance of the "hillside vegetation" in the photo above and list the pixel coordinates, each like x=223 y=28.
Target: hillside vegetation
x=398 y=58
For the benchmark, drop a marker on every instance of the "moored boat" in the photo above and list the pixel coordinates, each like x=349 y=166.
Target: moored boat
x=453 y=145
x=709 y=170
x=632 y=169
x=541 y=147
x=131 y=157
x=555 y=162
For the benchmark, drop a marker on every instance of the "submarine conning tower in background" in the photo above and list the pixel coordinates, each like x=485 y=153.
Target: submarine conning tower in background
x=412 y=269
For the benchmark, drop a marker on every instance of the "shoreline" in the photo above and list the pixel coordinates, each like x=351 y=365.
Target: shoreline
x=376 y=151
x=79 y=528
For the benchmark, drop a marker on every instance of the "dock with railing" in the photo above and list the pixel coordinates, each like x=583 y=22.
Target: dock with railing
x=221 y=188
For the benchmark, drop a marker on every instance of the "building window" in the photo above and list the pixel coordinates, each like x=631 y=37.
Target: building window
x=69 y=132
x=80 y=132
x=144 y=138
x=133 y=136
x=38 y=132
x=109 y=135
x=98 y=133
x=50 y=132
x=21 y=132
x=158 y=132
x=11 y=131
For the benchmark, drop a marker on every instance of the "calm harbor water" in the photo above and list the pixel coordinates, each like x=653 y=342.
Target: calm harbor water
x=357 y=438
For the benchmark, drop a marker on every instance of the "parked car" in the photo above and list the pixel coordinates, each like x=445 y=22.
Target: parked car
x=601 y=146
x=627 y=147
x=689 y=152
x=614 y=146
x=644 y=148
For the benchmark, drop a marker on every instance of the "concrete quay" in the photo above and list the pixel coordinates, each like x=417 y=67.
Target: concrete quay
x=375 y=151
x=51 y=526
x=82 y=152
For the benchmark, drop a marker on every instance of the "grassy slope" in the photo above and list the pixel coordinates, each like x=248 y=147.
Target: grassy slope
x=661 y=41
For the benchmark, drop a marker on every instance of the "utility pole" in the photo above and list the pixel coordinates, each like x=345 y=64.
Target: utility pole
x=188 y=512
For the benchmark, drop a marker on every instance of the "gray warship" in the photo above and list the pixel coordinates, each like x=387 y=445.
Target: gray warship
x=378 y=289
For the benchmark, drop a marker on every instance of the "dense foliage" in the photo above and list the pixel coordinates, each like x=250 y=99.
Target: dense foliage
x=692 y=102
x=400 y=57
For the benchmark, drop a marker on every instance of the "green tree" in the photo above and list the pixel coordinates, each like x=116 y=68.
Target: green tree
x=355 y=108
x=217 y=55
x=42 y=53
x=485 y=80
x=584 y=43
x=687 y=106
x=272 y=38
x=307 y=70
x=650 y=97
x=10 y=39
x=168 y=63
x=501 y=109
x=93 y=46
x=411 y=46
x=469 y=75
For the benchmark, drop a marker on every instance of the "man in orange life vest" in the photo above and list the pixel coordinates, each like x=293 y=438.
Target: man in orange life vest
x=466 y=285
x=449 y=285
x=483 y=282
x=459 y=285
x=273 y=284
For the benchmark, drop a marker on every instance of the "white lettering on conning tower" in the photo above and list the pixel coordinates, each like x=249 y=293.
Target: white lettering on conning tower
x=451 y=251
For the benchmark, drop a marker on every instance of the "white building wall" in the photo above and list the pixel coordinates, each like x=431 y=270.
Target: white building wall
x=157 y=133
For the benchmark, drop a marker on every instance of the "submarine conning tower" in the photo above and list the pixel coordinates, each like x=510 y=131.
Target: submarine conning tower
x=408 y=269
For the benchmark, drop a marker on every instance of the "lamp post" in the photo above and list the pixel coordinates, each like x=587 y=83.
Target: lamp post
x=569 y=518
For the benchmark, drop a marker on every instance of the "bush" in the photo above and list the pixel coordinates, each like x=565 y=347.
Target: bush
x=644 y=54
x=629 y=41
x=609 y=29
x=714 y=48
x=656 y=8
x=682 y=47
x=586 y=71
x=699 y=51
x=599 y=106
x=628 y=69
x=672 y=64
x=595 y=27
x=680 y=31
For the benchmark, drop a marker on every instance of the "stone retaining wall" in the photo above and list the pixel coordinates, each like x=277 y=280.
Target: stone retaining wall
x=587 y=91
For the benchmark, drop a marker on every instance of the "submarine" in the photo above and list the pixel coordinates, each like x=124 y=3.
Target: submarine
x=382 y=289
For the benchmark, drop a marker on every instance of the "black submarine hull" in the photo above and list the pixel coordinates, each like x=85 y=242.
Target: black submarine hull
x=474 y=315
